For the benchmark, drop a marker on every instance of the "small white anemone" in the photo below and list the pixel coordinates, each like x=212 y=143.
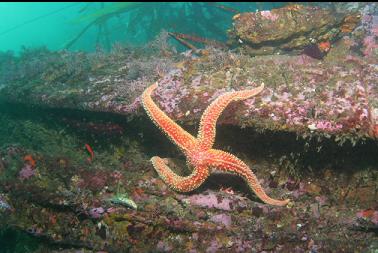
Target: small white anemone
x=312 y=127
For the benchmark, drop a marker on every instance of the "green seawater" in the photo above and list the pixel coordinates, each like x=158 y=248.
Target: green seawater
x=14 y=241
x=54 y=25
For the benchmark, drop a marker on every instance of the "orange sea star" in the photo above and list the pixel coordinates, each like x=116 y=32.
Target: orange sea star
x=199 y=150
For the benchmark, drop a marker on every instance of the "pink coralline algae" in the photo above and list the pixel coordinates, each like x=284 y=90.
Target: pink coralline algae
x=171 y=91
x=210 y=201
x=320 y=98
x=370 y=25
x=375 y=218
x=163 y=247
x=224 y=219
x=131 y=107
x=300 y=191
x=214 y=246
x=370 y=45
x=327 y=126
x=96 y=212
x=26 y=172
x=243 y=246
x=269 y=15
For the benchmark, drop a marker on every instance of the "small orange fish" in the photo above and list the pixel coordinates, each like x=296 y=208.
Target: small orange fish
x=367 y=214
x=29 y=159
x=227 y=190
x=324 y=46
x=90 y=151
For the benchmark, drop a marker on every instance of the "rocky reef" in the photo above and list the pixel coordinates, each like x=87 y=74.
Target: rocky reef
x=66 y=201
x=290 y=29
x=75 y=144
x=334 y=97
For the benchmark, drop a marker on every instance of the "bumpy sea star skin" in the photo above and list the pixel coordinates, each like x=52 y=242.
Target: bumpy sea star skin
x=199 y=150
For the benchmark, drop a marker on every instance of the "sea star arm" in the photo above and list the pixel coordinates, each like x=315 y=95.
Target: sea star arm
x=179 y=136
x=179 y=183
x=230 y=163
x=206 y=134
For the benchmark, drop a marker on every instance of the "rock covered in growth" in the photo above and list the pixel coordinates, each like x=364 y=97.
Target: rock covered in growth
x=290 y=28
x=337 y=97
x=76 y=80
x=68 y=205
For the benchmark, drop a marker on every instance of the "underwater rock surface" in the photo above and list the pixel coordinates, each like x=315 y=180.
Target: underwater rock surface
x=289 y=29
x=82 y=181
x=337 y=96
x=68 y=204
